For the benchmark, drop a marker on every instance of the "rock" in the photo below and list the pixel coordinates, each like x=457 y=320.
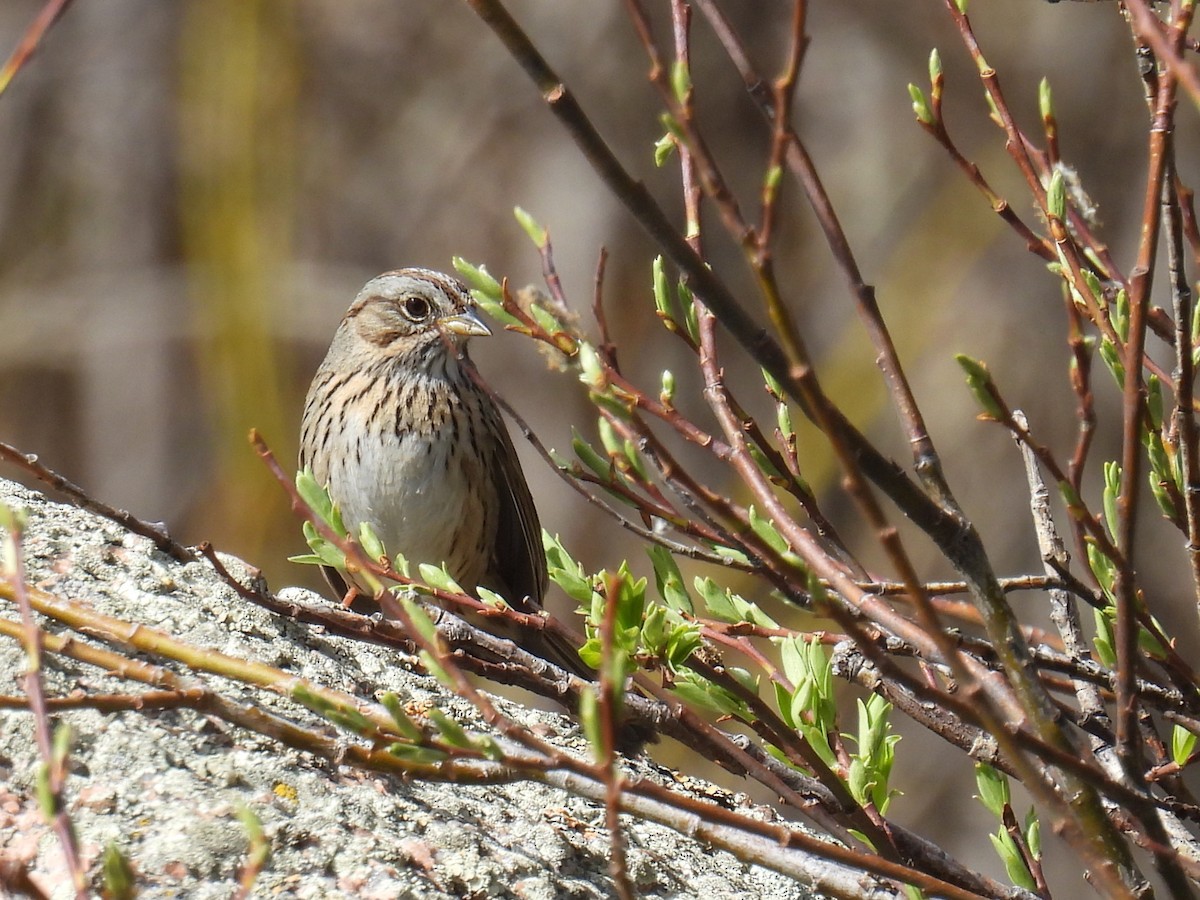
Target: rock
x=165 y=786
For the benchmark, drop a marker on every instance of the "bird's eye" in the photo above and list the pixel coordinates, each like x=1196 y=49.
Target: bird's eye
x=416 y=308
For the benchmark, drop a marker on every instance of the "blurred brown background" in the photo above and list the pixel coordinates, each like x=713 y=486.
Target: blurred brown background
x=192 y=192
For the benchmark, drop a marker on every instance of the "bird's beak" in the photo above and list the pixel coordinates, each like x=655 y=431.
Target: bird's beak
x=465 y=324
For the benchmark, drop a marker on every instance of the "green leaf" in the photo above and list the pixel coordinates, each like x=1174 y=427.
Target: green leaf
x=1092 y=280
x=703 y=694
x=1033 y=833
x=654 y=629
x=764 y=464
x=682 y=642
x=771 y=178
x=1120 y=315
x=669 y=580
x=1161 y=474
x=352 y=720
x=663 y=148
x=774 y=388
x=449 y=730
x=371 y=544
x=120 y=881
x=435 y=668
x=783 y=700
x=681 y=81
x=1104 y=570
x=491 y=598
x=730 y=553
x=1056 y=196
x=993 y=789
x=327 y=554
x=1112 y=361
x=601 y=466
x=438 y=577
x=405 y=726
x=477 y=277
x=671 y=124
x=1112 y=491
x=420 y=619
x=591 y=369
x=536 y=232
x=687 y=303
x=636 y=463
x=589 y=717
x=765 y=529
x=566 y=572
x=818 y=739
x=1154 y=401
x=306 y=697
x=61 y=743
x=727 y=606
x=486 y=744
x=743 y=677
x=631 y=601
x=859 y=780
x=1045 y=99
x=1104 y=641
x=400 y=564
x=260 y=847
x=545 y=319
x=794 y=659
x=663 y=300
x=1183 y=744
x=1014 y=863
x=920 y=105
x=317 y=497
x=422 y=756
x=609 y=439
x=783 y=421
x=871 y=765
x=46 y=800
x=487 y=293
x=979 y=382
x=667 y=395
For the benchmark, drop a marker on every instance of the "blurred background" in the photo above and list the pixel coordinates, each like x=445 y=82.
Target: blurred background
x=191 y=193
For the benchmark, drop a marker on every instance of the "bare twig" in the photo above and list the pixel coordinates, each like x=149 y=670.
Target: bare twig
x=54 y=757
x=31 y=40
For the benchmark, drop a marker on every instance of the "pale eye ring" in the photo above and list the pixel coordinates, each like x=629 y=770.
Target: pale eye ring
x=416 y=308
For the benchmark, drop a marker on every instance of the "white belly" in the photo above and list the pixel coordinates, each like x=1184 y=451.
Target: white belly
x=420 y=501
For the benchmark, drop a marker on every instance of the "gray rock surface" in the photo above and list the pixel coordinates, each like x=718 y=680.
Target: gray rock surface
x=165 y=786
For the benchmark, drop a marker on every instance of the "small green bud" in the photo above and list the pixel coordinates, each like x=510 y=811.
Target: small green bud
x=681 y=81
x=1045 y=99
x=1183 y=742
x=477 y=277
x=1056 y=197
x=772 y=178
x=920 y=105
x=1154 y=401
x=979 y=382
x=663 y=148
x=536 y=232
x=667 y=396
x=993 y=789
x=662 y=293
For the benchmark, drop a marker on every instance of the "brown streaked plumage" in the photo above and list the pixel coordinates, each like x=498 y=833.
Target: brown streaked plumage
x=407 y=441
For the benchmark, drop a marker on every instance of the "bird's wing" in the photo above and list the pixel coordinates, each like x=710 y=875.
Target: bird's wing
x=518 y=560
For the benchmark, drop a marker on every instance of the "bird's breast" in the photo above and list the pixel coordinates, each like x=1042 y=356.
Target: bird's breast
x=413 y=468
